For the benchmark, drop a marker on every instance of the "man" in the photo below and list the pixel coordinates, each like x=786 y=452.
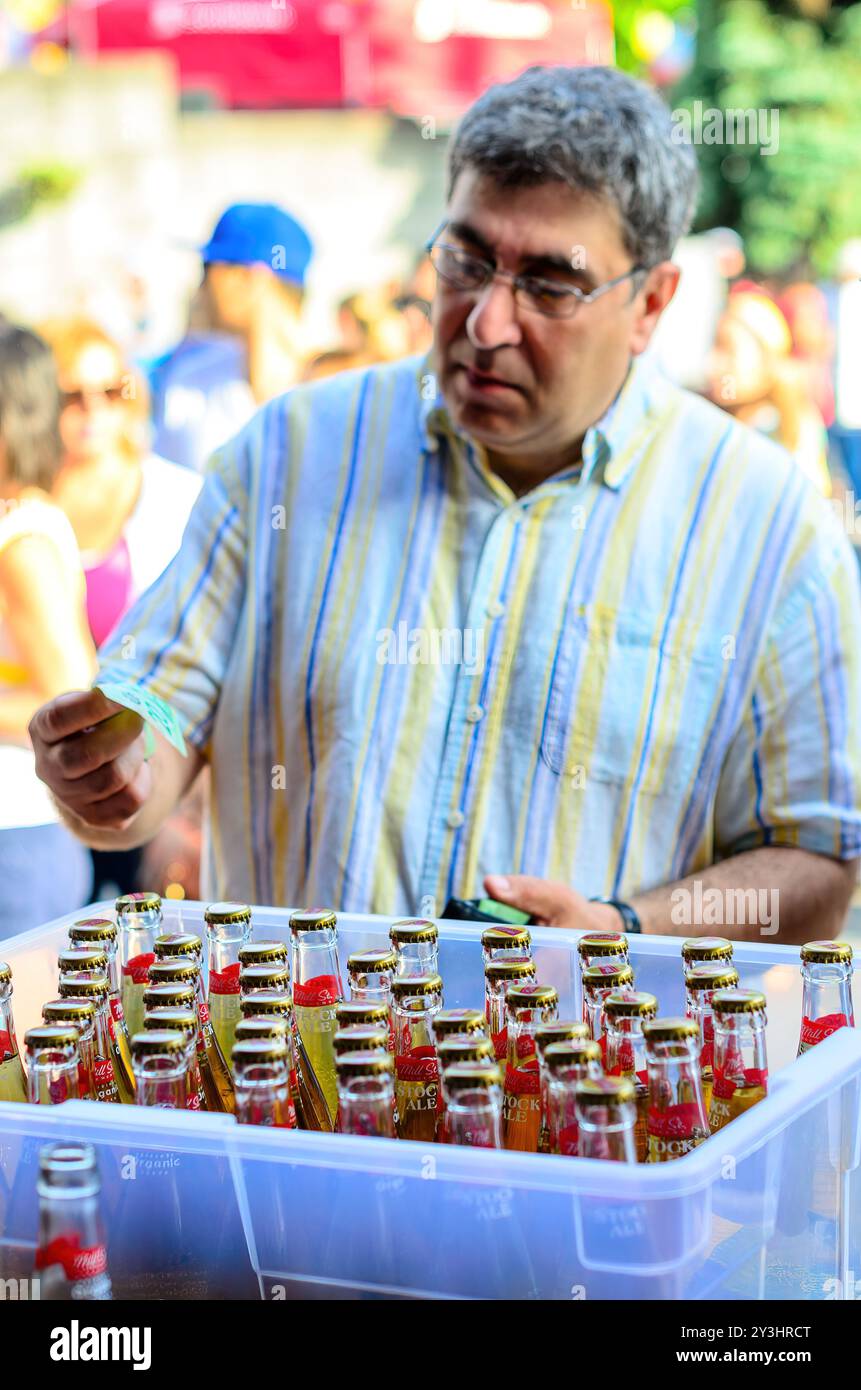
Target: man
x=244 y=347
x=535 y=612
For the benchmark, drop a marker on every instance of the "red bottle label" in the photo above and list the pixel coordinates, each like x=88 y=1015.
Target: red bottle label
x=192 y=1101
x=84 y=1084
x=726 y=1086
x=569 y=1139
x=77 y=1262
x=675 y=1121
x=813 y=1030
x=104 y=1076
x=6 y=1048
x=500 y=1044
x=419 y=1064
x=225 y=981
x=138 y=968
x=58 y=1090
x=117 y=1014
x=317 y=993
x=523 y=1081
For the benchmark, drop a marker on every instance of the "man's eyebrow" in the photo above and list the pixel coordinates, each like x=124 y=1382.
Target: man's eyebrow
x=540 y=262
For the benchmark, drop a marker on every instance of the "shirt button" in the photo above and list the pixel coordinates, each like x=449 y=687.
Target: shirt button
x=474 y=713
x=455 y=820
x=495 y=609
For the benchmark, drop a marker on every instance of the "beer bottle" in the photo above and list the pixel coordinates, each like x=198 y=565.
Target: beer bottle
x=101 y=931
x=366 y=1093
x=312 y=1111
x=139 y=919
x=498 y=976
x=453 y=1023
x=264 y=953
x=160 y=1060
x=701 y=981
x=678 y=1119
x=567 y=1062
x=81 y=1013
x=505 y=943
x=273 y=974
x=261 y=1071
x=416 y=1000
x=181 y=1019
x=826 y=969
x=13 y=1083
x=606 y=1118
x=81 y=960
x=599 y=981
x=261 y=1026
x=214 y=1072
x=169 y=945
x=107 y=1086
x=371 y=1011
x=317 y=989
x=556 y=1030
x=473 y=1103
x=741 y=1064
x=360 y=1037
x=71 y=1260
x=370 y=974
x=600 y=947
x=228 y=929
x=625 y=1012
x=52 y=1063
x=87 y=963
x=463 y=1048
x=416 y=943
x=706 y=950
x=528 y=1006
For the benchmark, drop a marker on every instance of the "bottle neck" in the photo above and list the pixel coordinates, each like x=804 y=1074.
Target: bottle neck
x=626 y=1049
x=413 y=1026
x=675 y=1085
x=224 y=944
x=8 y=1041
x=827 y=993
x=608 y=1133
x=263 y=1095
x=71 y=1260
x=475 y=1118
x=316 y=970
x=418 y=958
x=739 y=1049
x=366 y=1106
x=162 y=1082
x=375 y=988
x=52 y=1076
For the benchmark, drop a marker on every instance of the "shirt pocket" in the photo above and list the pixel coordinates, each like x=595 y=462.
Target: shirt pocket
x=632 y=699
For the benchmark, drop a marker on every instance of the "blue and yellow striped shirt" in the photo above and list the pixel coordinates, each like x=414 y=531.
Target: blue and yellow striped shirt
x=405 y=677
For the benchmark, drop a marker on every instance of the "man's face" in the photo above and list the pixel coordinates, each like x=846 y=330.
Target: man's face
x=524 y=385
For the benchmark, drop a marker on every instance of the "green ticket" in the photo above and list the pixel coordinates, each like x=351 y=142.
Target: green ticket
x=157 y=712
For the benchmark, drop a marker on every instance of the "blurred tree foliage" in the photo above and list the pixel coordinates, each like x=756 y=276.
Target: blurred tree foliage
x=628 y=16
x=802 y=60
x=34 y=187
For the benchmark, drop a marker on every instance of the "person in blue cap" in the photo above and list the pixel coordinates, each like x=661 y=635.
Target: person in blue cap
x=243 y=344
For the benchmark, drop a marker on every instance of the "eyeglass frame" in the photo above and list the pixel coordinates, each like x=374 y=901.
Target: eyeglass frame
x=572 y=292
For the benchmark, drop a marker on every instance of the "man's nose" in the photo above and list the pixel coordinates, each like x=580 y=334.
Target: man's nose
x=492 y=321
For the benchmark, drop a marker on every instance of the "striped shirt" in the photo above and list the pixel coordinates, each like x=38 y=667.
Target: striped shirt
x=404 y=677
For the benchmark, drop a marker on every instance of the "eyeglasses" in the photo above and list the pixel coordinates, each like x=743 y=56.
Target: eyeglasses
x=548 y=297
x=84 y=394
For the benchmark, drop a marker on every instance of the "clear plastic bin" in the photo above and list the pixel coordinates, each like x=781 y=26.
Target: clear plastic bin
x=198 y=1206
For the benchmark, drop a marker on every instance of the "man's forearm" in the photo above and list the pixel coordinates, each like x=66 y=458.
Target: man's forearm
x=783 y=895
x=172 y=777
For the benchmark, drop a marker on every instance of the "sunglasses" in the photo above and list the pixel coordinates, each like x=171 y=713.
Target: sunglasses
x=84 y=395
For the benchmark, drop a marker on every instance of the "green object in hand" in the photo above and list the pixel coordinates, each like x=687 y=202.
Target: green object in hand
x=503 y=912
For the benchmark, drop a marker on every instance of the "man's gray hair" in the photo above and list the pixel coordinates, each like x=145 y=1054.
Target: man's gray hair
x=595 y=129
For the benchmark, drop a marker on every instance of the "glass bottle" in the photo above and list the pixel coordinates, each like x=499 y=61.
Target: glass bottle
x=271 y=975
x=139 y=921
x=741 y=1060
x=706 y=950
x=317 y=988
x=370 y=973
x=160 y=1059
x=13 y=1083
x=555 y=1030
x=601 y=947
x=567 y=1062
x=214 y=1072
x=264 y=953
x=505 y=943
x=500 y=975
x=366 y=1093
x=261 y=1070
x=360 y=1037
x=625 y=1012
x=473 y=1102
x=261 y=1026
x=88 y=963
x=81 y=1013
x=678 y=1119
x=528 y=1006
x=826 y=969
x=701 y=981
x=415 y=940
x=101 y=931
x=228 y=929
x=606 y=1118
x=416 y=1000
x=312 y=1111
x=598 y=981
x=96 y=988
x=71 y=1260
x=183 y=1019
x=52 y=1063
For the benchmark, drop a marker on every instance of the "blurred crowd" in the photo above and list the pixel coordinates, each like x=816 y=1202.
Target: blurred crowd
x=102 y=451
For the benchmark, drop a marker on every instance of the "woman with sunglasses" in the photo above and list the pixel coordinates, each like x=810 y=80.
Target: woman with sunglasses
x=45 y=647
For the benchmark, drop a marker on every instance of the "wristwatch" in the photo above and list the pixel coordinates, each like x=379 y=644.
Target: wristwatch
x=627 y=913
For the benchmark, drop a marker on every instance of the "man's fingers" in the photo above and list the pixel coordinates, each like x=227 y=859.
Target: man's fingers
x=105 y=781
x=80 y=754
x=540 y=897
x=115 y=812
x=70 y=714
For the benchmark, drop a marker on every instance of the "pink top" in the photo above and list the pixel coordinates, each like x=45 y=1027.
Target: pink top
x=109 y=590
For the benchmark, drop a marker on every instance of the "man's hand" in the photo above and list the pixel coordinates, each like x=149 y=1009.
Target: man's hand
x=90 y=753
x=552 y=904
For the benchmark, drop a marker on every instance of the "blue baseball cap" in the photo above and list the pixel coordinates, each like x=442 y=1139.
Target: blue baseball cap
x=261 y=234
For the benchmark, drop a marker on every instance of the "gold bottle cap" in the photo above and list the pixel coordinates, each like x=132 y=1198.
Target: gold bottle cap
x=506 y=938
x=82 y=958
x=608 y=976
x=531 y=996
x=258 y=1026
x=5 y=973
x=416 y=984
x=171 y=996
x=173 y=944
x=375 y=962
x=171 y=1016
x=257 y=1050
x=510 y=969
x=65 y=1010
x=92 y=929
x=602 y=943
x=738 y=1001
x=559 y=1030
x=361 y=1037
x=78 y=988
x=413 y=930
x=465 y=1049
x=227 y=914
x=670 y=1029
x=314 y=919
x=704 y=976
x=50 y=1035
x=353 y=1064
x=706 y=948
x=264 y=953
x=174 y=970
x=451 y=1021
x=571 y=1052
x=630 y=1003
x=138 y=902
x=265 y=1002
x=605 y=1090
x=157 y=1042
x=827 y=952
x=470 y=1076
x=350 y=1011
x=275 y=975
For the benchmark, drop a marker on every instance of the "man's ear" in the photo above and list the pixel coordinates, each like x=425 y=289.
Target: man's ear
x=651 y=300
